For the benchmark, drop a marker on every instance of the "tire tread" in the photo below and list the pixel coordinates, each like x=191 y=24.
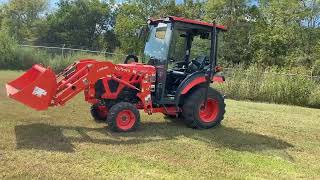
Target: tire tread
x=112 y=116
x=192 y=102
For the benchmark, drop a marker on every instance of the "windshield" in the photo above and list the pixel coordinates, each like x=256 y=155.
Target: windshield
x=157 y=45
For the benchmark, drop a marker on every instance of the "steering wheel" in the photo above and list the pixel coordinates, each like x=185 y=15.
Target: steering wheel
x=199 y=62
x=131 y=58
x=196 y=63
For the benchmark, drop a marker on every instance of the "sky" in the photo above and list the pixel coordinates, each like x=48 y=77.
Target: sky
x=52 y=3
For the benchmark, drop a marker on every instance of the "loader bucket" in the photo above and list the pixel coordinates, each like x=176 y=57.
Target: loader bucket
x=35 y=88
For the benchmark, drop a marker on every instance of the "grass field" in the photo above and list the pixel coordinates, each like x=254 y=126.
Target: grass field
x=255 y=141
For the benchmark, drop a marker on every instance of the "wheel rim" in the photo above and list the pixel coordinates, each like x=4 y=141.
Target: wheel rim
x=102 y=111
x=125 y=120
x=208 y=113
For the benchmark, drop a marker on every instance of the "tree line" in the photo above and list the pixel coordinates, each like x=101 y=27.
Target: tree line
x=278 y=33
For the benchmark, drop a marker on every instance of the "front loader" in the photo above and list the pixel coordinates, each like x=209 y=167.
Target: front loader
x=181 y=56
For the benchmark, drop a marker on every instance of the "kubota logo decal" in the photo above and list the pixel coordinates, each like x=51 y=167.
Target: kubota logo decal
x=103 y=68
x=122 y=69
x=39 y=92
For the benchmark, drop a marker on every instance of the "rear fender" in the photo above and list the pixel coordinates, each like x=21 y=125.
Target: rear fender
x=191 y=81
x=218 y=79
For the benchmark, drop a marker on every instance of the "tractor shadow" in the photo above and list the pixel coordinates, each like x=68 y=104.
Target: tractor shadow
x=52 y=138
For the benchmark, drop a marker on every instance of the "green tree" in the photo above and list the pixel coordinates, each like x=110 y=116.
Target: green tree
x=79 y=22
x=238 y=17
x=277 y=33
x=193 y=9
x=147 y=8
x=128 y=21
x=310 y=32
x=7 y=50
x=169 y=9
x=1 y=15
x=20 y=17
x=134 y=14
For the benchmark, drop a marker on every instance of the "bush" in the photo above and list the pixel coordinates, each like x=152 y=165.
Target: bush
x=268 y=86
x=7 y=51
x=119 y=56
x=316 y=68
x=24 y=58
x=59 y=63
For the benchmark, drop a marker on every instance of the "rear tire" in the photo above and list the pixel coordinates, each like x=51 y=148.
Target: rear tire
x=123 y=117
x=99 y=112
x=196 y=115
x=131 y=58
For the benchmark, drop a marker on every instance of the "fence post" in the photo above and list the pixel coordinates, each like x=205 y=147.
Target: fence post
x=62 y=50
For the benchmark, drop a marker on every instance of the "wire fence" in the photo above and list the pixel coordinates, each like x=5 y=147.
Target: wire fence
x=65 y=50
x=228 y=72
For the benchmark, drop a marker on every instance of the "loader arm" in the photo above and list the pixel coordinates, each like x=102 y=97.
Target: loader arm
x=39 y=88
x=78 y=77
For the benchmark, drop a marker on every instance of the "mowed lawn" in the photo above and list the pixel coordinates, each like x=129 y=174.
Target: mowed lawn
x=255 y=141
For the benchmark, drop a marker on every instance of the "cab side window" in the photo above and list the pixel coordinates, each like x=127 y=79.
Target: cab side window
x=200 y=47
x=178 y=48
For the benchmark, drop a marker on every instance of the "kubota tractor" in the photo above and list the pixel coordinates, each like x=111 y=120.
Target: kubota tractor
x=175 y=80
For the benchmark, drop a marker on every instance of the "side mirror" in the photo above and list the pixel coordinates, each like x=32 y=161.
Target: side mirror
x=138 y=32
x=141 y=32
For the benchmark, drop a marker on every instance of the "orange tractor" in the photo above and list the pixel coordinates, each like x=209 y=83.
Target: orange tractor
x=175 y=81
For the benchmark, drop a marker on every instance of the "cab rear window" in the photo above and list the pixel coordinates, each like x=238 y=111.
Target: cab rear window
x=161 y=32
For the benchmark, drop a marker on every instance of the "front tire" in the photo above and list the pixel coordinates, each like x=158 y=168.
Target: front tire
x=123 y=117
x=197 y=115
x=99 y=112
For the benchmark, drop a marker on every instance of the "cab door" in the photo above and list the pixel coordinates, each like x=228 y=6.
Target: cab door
x=156 y=52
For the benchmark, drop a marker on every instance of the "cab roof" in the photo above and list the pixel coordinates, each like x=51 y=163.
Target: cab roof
x=188 y=21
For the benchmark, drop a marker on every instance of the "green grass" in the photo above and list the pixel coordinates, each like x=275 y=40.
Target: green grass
x=255 y=141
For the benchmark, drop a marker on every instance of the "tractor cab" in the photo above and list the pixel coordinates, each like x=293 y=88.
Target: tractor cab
x=181 y=50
